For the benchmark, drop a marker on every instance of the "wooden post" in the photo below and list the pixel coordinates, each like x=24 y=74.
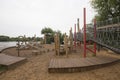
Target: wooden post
x=78 y=25
x=35 y=38
x=71 y=40
x=78 y=31
x=84 y=32
x=75 y=37
x=25 y=40
x=66 y=44
x=95 y=36
x=45 y=38
x=57 y=44
x=18 y=47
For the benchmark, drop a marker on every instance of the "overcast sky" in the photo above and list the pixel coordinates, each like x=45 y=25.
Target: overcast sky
x=19 y=17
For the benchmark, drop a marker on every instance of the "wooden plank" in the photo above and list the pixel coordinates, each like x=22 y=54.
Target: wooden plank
x=54 y=64
x=87 y=63
x=9 y=60
x=63 y=63
x=95 y=61
x=51 y=62
x=73 y=64
x=107 y=59
x=58 y=63
x=79 y=62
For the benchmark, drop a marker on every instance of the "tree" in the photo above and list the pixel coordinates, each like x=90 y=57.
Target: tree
x=49 y=34
x=4 y=38
x=46 y=30
x=106 y=8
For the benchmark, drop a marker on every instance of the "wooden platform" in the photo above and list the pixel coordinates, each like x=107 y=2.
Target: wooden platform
x=7 y=60
x=78 y=65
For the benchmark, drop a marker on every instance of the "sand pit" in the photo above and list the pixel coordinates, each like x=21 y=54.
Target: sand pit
x=36 y=68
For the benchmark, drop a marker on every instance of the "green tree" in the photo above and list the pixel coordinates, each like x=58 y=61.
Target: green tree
x=49 y=34
x=4 y=38
x=106 y=8
x=13 y=38
x=47 y=31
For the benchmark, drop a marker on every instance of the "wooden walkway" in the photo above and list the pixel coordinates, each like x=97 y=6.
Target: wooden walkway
x=78 y=65
x=7 y=60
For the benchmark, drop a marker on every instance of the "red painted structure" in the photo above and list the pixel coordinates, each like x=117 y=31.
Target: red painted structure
x=84 y=12
x=85 y=45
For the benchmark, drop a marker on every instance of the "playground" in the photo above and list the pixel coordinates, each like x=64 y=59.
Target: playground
x=36 y=68
x=84 y=55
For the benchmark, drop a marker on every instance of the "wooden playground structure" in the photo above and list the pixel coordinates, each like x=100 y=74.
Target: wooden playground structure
x=82 y=64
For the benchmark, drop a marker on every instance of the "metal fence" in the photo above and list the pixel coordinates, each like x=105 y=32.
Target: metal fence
x=110 y=21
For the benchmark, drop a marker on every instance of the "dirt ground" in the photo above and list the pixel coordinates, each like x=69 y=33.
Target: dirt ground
x=36 y=67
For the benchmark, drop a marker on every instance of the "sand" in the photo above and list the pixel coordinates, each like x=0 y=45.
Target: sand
x=36 y=68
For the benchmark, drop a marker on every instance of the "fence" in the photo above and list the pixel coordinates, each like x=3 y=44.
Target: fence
x=110 y=21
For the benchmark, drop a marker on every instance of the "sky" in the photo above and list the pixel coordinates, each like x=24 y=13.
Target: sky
x=29 y=17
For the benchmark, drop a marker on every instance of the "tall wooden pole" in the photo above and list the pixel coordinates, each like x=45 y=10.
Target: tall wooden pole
x=78 y=30
x=78 y=25
x=75 y=37
x=84 y=32
x=95 y=35
x=71 y=40
x=66 y=44
x=45 y=38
